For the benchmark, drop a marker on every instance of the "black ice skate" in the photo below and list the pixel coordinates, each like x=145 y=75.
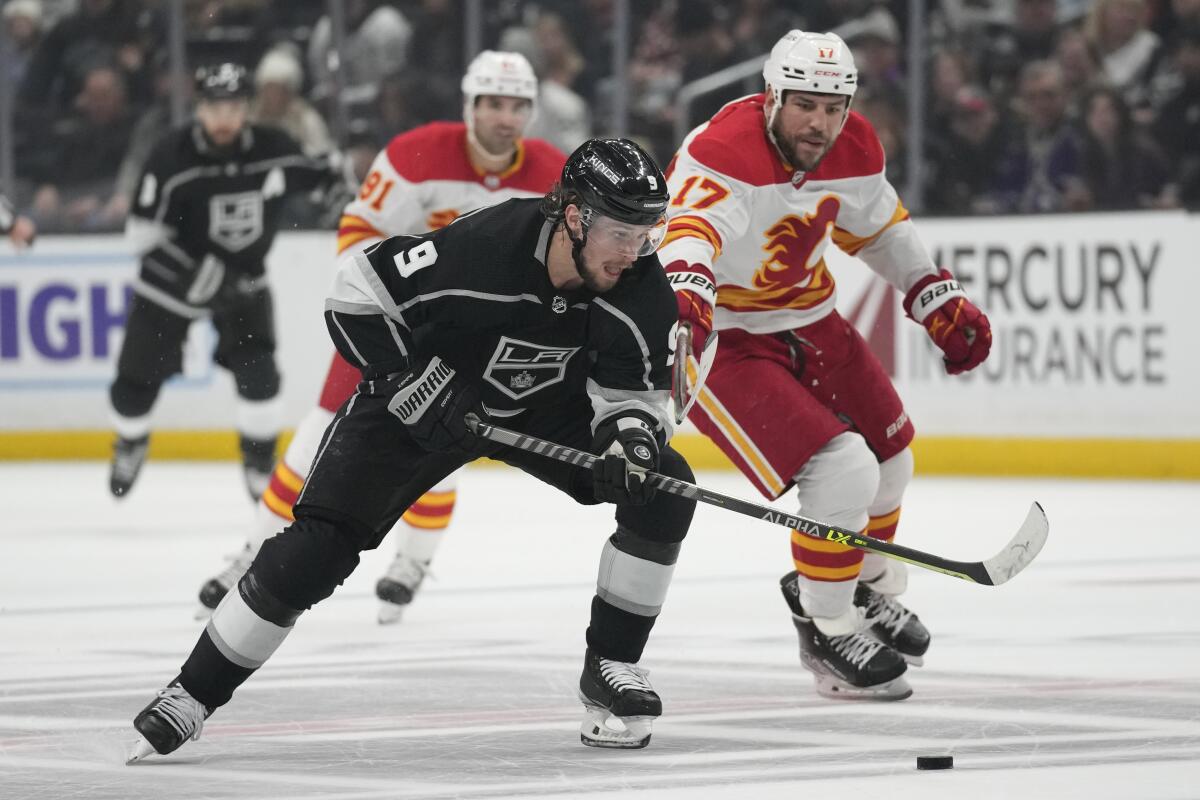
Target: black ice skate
x=258 y=461
x=847 y=666
x=399 y=585
x=619 y=701
x=127 y=460
x=893 y=624
x=172 y=717
x=216 y=587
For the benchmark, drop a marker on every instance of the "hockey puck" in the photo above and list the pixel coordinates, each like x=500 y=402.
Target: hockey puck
x=935 y=762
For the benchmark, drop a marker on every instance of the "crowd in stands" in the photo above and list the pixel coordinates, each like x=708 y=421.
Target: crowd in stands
x=1031 y=106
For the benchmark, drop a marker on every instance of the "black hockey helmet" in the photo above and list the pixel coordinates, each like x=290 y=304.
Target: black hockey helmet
x=222 y=81
x=618 y=179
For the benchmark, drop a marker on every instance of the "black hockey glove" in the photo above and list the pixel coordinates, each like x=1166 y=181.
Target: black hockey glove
x=628 y=449
x=432 y=400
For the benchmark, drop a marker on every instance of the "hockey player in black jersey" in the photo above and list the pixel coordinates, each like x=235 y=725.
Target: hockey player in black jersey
x=205 y=214
x=20 y=229
x=552 y=315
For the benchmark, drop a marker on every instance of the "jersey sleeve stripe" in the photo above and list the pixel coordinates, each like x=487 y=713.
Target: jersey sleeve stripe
x=354 y=222
x=851 y=244
x=348 y=240
x=698 y=227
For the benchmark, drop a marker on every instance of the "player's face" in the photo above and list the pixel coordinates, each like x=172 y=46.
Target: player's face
x=500 y=122
x=807 y=125
x=598 y=265
x=222 y=120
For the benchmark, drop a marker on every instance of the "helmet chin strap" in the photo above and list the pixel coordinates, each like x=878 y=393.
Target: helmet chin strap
x=577 y=246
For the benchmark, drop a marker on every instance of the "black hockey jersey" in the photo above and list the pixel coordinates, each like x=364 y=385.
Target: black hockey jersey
x=477 y=293
x=203 y=218
x=8 y=217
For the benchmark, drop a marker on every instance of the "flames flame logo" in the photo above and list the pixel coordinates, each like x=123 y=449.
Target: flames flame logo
x=794 y=247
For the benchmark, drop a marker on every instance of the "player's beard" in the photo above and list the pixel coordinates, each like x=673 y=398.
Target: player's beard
x=792 y=153
x=590 y=281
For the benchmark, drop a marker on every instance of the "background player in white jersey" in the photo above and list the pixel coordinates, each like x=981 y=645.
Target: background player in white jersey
x=21 y=230
x=421 y=181
x=758 y=193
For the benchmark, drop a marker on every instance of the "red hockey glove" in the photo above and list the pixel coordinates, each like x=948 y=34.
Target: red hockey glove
x=953 y=322
x=695 y=293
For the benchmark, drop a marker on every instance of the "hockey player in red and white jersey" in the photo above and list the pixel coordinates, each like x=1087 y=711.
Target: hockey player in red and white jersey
x=421 y=181
x=794 y=396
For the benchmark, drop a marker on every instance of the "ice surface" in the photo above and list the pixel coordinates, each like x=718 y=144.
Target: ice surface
x=1079 y=678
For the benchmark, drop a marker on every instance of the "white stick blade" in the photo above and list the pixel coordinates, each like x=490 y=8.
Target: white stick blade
x=1023 y=548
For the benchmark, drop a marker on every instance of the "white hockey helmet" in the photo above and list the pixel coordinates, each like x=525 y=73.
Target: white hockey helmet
x=810 y=62
x=496 y=72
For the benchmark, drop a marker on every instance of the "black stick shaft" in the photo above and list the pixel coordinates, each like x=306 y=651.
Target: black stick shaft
x=966 y=570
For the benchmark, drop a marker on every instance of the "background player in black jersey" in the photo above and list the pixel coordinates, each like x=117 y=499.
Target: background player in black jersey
x=553 y=315
x=18 y=228
x=205 y=214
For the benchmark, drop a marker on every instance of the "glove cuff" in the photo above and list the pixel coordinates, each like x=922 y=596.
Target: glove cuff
x=692 y=278
x=419 y=391
x=930 y=293
x=608 y=431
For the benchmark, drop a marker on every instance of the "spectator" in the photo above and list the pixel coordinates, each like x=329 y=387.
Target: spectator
x=1030 y=38
x=1078 y=64
x=1122 y=168
x=376 y=45
x=79 y=193
x=655 y=75
x=277 y=102
x=950 y=72
x=888 y=122
x=1178 y=124
x=99 y=32
x=562 y=116
x=23 y=26
x=591 y=24
x=875 y=40
x=756 y=25
x=964 y=154
x=706 y=45
x=1042 y=170
x=1127 y=50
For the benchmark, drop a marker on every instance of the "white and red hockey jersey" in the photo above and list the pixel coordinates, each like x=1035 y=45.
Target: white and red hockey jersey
x=758 y=229
x=424 y=179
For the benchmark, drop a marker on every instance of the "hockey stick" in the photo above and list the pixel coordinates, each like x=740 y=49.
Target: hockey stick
x=689 y=372
x=1000 y=568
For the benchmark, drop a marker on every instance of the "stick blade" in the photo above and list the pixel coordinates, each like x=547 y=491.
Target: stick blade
x=1022 y=549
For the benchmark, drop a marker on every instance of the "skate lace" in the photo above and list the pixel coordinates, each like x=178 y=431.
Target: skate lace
x=182 y=711
x=887 y=611
x=622 y=675
x=856 y=647
x=407 y=571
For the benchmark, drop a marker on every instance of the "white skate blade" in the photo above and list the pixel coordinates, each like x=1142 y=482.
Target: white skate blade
x=914 y=661
x=141 y=749
x=602 y=729
x=390 y=613
x=837 y=689
x=202 y=612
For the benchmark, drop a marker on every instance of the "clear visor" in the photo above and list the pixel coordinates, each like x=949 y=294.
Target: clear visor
x=623 y=238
